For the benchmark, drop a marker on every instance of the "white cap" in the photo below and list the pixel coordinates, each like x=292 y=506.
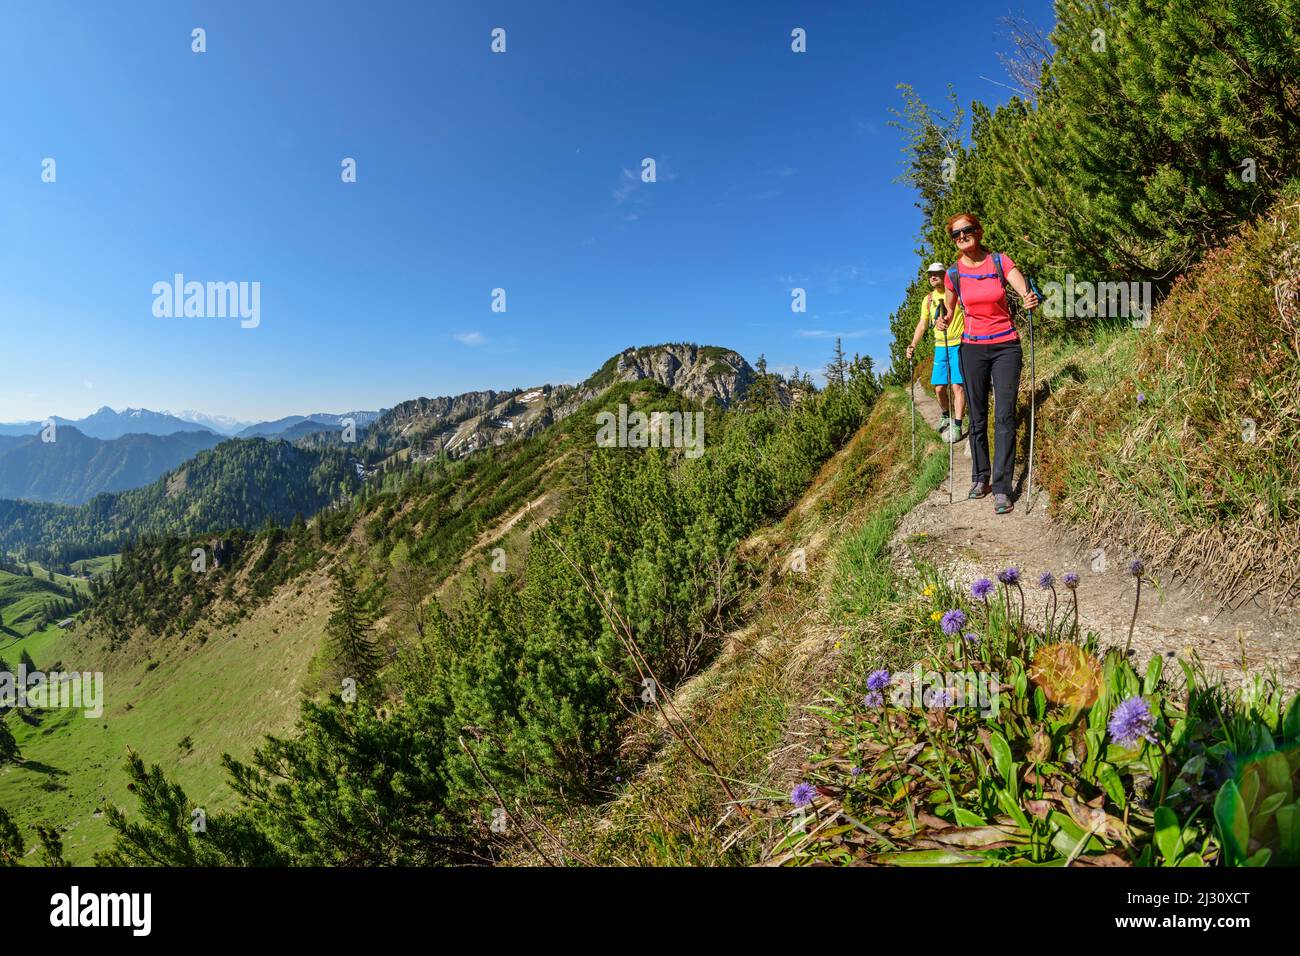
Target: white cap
x=936 y=267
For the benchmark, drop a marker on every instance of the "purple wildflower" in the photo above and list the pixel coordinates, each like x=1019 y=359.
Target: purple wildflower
x=941 y=697
x=878 y=680
x=1009 y=575
x=803 y=795
x=1131 y=722
x=1070 y=579
x=953 y=621
x=1142 y=397
x=856 y=771
x=874 y=698
x=1046 y=580
x=1136 y=567
x=981 y=589
x=972 y=638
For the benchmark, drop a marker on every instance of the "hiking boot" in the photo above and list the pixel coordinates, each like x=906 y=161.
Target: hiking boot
x=979 y=489
x=1001 y=504
x=954 y=433
x=944 y=422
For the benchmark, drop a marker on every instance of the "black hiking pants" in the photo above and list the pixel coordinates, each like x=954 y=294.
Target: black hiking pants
x=997 y=366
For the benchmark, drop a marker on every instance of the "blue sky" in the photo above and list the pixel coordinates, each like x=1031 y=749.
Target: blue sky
x=475 y=171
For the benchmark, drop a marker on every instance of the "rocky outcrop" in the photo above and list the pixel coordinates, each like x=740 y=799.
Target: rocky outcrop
x=700 y=372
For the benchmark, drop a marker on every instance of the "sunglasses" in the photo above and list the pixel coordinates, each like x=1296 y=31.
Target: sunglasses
x=964 y=231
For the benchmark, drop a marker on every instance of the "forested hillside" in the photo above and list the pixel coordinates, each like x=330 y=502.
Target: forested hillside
x=238 y=484
x=74 y=468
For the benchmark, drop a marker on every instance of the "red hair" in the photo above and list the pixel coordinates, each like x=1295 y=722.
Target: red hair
x=974 y=220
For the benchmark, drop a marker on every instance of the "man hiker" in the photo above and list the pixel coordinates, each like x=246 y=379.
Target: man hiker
x=947 y=339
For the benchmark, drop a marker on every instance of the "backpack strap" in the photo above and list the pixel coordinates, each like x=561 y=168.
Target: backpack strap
x=954 y=276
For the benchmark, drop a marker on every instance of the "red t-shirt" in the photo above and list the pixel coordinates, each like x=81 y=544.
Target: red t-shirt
x=987 y=312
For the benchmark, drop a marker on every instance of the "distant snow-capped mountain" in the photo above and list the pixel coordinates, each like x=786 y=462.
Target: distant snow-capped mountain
x=107 y=424
x=300 y=424
x=223 y=424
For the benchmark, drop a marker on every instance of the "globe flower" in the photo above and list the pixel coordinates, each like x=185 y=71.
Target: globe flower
x=1131 y=722
x=803 y=795
x=1070 y=579
x=981 y=589
x=941 y=697
x=1046 y=580
x=873 y=699
x=878 y=680
x=1009 y=575
x=953 y=621
x=972 y=638
x=1136 y=567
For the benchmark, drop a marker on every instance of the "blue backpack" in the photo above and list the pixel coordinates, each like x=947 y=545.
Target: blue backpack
x=955 y=275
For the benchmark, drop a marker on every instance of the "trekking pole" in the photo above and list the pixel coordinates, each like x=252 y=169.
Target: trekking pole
x=911 y=391
x=1029 y=480
x=952 y=407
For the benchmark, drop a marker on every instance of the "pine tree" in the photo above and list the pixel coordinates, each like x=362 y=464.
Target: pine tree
x=11 y=841
x=349 y=627
x=762 y=393
x=8 y=746
x=837 y=369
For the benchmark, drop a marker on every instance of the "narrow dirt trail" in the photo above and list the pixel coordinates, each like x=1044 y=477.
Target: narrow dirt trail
x=967 y=540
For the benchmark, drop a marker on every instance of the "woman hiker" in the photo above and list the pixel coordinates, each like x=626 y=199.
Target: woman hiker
x=947 y=339
x=990 y=352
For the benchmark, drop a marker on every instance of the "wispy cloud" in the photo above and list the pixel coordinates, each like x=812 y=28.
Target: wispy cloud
x=470 y=338
x=628 y=185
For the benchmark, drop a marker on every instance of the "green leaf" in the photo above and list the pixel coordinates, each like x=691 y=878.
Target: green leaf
x=1276 y=771
x=1114 y=786
x=1234 y=824
x=1270 y=803
x=1261 y=858
x=1291 y=722
x=1001 y=751
x=1288 y=832
x=1008 y=803
x=1068 y=834
x=931 y=858
x=1249 y=788
x=1168 y=835
x=1192 y=859
x=1154 y=670
x=1099 y=714
x=967 y=819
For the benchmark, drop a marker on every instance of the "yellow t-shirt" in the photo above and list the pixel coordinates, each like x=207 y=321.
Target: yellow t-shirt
x=930 y=307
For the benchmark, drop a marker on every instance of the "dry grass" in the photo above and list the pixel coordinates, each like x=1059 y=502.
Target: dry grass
x=1202 y=477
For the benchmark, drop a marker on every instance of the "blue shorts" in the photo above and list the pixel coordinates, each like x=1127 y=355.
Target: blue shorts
x=945 y=363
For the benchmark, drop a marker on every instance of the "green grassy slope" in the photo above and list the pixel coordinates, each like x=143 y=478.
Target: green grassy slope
x=222 y=693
